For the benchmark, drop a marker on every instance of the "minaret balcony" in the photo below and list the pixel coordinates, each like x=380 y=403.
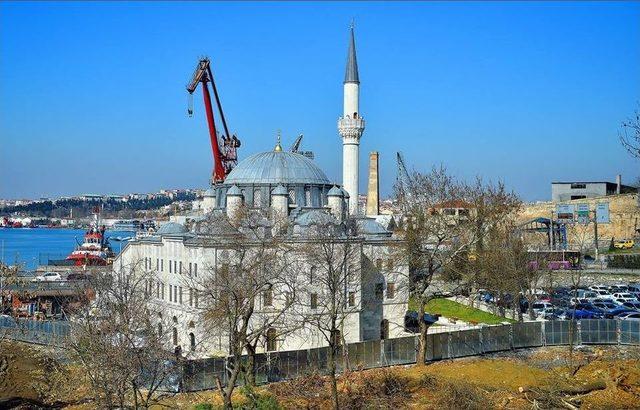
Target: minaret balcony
x=347 y=122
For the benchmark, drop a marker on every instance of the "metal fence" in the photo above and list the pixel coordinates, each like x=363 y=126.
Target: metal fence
x=44 y=332
x=276 y=366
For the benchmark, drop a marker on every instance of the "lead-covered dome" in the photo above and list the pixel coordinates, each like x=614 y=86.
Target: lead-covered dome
x=276 y=167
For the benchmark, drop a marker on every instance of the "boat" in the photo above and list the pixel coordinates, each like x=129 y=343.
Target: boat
x=94 y=250
x=127 y=225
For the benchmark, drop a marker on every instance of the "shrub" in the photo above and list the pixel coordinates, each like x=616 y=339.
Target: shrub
x=203 y=406
x=624 y=261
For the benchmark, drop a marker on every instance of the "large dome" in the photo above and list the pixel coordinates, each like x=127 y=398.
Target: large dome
x=276 y=167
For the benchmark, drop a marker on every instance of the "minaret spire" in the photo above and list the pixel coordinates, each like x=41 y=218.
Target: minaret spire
x=351 y=73
x=351 y=126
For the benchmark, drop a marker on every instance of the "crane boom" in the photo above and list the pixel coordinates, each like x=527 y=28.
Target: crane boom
x=225 y=157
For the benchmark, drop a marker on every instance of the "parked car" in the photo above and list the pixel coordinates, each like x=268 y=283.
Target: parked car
x=540 y=306
x=605 y=305
x=579 y=314
x=78 y=276
x=623 y=297
x=632 y=305
x=624 y=244
x=598 y=287
x=48 y=277
x=629 y=316
x=618 y=288
x=611 y=314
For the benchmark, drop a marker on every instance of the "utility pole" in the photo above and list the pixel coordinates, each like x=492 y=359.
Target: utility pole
x=551 y=241
x=595 y=232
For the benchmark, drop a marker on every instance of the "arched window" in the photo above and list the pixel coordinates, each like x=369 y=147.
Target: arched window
x=384 y=329
x=160 y=329
x=307 y=197
x=271 y=340
x=257 y=198
x=292 y=196
x=312 y=274
x=175 y=336
x=175 y=320
x=192 y=341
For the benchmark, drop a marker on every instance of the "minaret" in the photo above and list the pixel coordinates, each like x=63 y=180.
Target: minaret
x=351 y=126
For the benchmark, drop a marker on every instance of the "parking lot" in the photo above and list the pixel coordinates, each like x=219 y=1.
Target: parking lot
x=598 y=301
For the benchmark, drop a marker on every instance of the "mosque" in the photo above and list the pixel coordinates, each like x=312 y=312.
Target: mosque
x=285 y=186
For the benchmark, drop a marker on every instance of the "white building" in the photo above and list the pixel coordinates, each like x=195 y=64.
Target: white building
x=294 y=199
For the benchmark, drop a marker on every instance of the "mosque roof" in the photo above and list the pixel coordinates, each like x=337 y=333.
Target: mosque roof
x=171 y=228
x=277 y=167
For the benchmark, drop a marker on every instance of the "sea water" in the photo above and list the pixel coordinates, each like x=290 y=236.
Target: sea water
x=31 y=247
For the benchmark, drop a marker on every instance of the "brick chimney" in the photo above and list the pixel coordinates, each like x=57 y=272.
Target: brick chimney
x=373 y=193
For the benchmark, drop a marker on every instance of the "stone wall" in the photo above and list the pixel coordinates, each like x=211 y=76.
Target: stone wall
x=624 y=216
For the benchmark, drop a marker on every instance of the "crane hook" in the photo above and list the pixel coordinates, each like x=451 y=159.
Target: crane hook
x=190 y=105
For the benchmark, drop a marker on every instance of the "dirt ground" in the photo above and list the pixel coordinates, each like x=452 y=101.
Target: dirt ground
x=590 y=378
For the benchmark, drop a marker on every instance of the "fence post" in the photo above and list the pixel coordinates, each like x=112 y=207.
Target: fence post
x=383 y=361
x=449 y=345
x=618 y=332
x=543 y=333
x=481 y=340
x=511 y=336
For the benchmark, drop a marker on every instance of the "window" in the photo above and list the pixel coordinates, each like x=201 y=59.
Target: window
x=170 y=266
x=175 y=266
x=195 y=298
x=190 y=268
x=192 y=341
x=170 y=293
x=449 y=211
x=578 y=197
x=312 y=273
x=175 y=294
x=379 y=290
x=160 y=329
x=190 y=297
x=307 y=197
x=180 y=294
x=158 y=290
x=314 y=301
x=195 y=269
x=157 y=263
x=257 y=198
x=161 y=265
x=578 y=186
x=175 y=336
x=391 y=290
x=352 y=298
x=292 y=196
x=384 y=329
x=267 y=297
x=180 y=270
x=271 y=340
x=162 y=290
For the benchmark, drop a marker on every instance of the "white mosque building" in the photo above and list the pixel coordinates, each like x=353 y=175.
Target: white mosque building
x=279 y=185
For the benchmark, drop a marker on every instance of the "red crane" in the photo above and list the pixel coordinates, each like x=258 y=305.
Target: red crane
x=224 y=148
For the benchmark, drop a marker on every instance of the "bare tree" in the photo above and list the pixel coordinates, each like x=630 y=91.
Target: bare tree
x=246 y=293
x=332 y=256
x=446 y=220
x=121 y=350
x=630 y=134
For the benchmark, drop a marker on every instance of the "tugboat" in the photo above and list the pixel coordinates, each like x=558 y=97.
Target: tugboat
x=94 y=251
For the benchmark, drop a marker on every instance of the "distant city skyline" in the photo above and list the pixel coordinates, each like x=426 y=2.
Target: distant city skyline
x=92 y=98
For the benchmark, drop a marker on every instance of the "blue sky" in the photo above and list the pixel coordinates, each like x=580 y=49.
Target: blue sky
x=92 y=95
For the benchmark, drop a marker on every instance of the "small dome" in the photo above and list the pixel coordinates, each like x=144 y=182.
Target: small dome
x=234 y=191
x=277 y=167
x=335 y=191
x=172 y=228
x=371 y=227
x=280 y=190
x=209 y=193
